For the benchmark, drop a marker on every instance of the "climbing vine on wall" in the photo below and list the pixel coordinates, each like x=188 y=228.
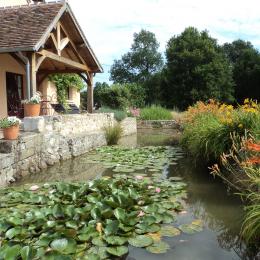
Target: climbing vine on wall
x=63 y=82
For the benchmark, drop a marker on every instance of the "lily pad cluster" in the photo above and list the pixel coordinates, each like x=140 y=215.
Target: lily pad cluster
x=93 y=220
x=125 y=160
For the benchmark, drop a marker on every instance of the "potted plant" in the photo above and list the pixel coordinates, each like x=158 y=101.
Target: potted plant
x=32 y=106
x=10 y=126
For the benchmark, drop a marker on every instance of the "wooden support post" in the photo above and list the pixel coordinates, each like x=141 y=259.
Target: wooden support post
x=33 y=75
x=90 y=92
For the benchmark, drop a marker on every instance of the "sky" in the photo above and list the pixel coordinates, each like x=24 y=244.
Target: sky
x=109 y=25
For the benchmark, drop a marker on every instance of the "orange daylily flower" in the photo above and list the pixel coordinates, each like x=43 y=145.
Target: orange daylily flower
x=254 y=160
x=253 y=147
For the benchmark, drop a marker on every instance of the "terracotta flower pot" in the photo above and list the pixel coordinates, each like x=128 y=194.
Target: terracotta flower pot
x=32 y=110
x=11 y=133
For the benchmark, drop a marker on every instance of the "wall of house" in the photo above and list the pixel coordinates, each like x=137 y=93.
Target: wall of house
x=75 y=96
x=49 y=92
x=8 y=64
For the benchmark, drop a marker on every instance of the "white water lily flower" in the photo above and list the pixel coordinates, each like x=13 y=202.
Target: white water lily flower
x=34 y=188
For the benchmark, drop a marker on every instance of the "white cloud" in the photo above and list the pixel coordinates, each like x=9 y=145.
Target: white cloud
x=109 y=25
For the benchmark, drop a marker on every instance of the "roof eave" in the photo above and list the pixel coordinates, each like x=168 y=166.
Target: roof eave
x=7 y=50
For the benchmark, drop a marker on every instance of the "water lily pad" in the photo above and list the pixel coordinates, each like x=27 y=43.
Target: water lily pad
x=156 y=237
x=169 y=231
x=116 y=240
x=158 y=248
x=97 y=241
x=64 y=245
x=118 y=250
x=190 y=228
x=140 y=241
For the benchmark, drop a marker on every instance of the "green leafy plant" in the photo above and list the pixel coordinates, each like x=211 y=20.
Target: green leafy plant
x=63 y=82
x=125 y=160
x=251 y=224
x=113 y=133
x=97 y=219
x=9 y=121
x=155 y=113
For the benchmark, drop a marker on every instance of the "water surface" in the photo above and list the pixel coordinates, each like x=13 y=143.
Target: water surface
x=208 y=199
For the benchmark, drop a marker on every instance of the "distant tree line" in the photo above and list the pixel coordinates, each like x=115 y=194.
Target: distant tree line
x=195 y=68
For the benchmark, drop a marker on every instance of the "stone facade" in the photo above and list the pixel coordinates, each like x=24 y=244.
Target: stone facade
x=50 y=139
x=164 y=124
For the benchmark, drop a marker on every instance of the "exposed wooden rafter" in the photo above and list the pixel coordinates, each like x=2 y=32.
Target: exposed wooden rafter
x=63 y=60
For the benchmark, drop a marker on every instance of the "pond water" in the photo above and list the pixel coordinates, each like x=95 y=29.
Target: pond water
x=208 y=200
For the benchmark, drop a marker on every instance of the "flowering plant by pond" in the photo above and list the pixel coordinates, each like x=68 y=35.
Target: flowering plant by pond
x=208 y=127
x=243 y=164
x=94 y=220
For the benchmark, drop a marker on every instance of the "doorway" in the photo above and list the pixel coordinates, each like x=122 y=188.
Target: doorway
x=15 y=95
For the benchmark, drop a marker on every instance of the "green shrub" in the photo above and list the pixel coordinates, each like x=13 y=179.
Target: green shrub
x=208 y=128
x=113 y=133
x=155 y=113
x=118 y=114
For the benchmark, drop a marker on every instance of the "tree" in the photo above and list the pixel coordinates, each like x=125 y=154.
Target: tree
x=142 y=61
x=245 y=60
x=196 y=69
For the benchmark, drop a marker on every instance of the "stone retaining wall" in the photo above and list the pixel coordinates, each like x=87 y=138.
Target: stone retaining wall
x=50 y=139
x=165 y=124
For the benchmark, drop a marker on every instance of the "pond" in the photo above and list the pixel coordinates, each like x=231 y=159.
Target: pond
x=207 y=199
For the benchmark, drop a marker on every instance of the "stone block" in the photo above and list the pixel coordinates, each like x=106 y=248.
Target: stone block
x=6 y=160
x=8 y=146
x=34 y=124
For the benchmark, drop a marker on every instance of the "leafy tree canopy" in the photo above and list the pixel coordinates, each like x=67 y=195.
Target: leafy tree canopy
x=245 y=60
x=196 y=69
x=143 y=60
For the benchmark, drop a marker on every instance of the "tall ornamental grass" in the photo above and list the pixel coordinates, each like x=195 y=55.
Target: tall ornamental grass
x=113 y=133
x=155 y=112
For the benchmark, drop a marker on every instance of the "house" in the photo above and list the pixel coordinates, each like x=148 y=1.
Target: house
x=38 y=39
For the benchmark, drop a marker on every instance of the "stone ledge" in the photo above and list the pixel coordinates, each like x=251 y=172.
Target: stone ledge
x=164 y=124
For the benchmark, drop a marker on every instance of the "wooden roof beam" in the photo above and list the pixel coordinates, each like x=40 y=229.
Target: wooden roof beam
x=63 y=60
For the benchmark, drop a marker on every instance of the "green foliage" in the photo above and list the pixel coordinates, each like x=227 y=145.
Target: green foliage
x=119 y=96
x=9 y=121
x=245 y=60
x=125 y=160
x=196 y=69
x=114 y=96
x=63 y=82
x=143 y=60
x=155 y=113
x=251 y=224
x=113 y=133
x=81 y=220
x=208 y=135
x=119 y=115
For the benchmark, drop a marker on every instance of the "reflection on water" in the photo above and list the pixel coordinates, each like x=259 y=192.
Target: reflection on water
x=207 y=200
